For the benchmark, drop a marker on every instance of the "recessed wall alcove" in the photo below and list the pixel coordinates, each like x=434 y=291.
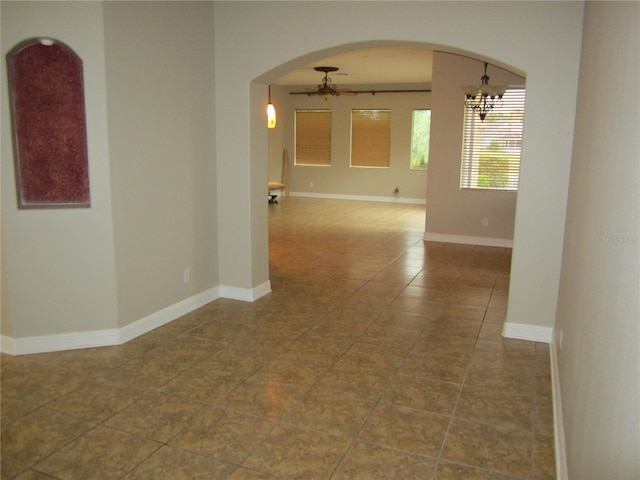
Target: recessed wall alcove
x=46 y=90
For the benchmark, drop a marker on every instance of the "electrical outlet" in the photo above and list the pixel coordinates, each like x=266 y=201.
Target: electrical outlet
x=485 y=222
x=186 y=275
x=311 y=184
x=560 y=338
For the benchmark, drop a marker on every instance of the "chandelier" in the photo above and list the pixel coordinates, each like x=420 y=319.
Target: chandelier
x=327 y=89
x=484 y=97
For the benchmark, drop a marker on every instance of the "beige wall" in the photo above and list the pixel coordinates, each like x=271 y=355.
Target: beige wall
x=340 y=178
x=60 y=266
x=597 y=333
x=160 y=86
x=6 y=319
x=149 y=93
x=450 y=210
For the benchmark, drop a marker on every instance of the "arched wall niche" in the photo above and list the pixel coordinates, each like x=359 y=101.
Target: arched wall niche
x=46 y=89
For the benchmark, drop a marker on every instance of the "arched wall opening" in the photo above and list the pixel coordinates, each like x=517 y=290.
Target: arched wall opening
x=544 y=42
x=459 y=68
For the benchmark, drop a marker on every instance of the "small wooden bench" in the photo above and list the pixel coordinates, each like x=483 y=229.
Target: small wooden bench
x=273 y=186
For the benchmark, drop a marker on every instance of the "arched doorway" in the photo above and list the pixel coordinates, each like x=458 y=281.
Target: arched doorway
x=455 y=69
x=284 y=36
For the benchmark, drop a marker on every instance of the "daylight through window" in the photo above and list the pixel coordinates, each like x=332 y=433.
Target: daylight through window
x=420 y=133
x=491 y=149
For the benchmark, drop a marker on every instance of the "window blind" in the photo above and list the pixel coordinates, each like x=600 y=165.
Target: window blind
x=313 y=137
x=491 y=148
x=370 y=138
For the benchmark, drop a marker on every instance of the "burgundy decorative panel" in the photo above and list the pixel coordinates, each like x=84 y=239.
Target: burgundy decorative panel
x=49 y=125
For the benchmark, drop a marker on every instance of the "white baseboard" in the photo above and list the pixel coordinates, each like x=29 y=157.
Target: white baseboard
x=118 y=336
x=166 y=315
x=363 y=198
x=468 y=240
x=562 y=472
x=545 y=334
x=532 y=333
x=59 y=342
x=246 y=295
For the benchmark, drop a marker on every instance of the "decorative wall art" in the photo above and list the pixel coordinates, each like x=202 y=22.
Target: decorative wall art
x=46 y=90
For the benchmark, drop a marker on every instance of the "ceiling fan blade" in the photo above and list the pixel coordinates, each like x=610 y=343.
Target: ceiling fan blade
x=346 y=91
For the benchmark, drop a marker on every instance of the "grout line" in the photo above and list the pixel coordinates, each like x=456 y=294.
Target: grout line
x=462 y=385
x=377 y=403
x=280 y=421
x=298 y=292
x=457 y=401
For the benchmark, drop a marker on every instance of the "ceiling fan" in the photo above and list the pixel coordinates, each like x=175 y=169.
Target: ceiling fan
x=327 y=89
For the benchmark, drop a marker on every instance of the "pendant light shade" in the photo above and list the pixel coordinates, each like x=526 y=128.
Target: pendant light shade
x=271 y=113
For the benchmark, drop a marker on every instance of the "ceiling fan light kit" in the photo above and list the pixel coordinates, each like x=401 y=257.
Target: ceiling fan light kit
x=484 y=97
x=328 y=89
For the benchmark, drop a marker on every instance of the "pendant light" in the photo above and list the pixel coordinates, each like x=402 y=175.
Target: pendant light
x=271 y=113
x=484 y=97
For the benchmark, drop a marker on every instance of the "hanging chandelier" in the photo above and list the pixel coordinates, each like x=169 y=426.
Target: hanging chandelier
x=484 y=97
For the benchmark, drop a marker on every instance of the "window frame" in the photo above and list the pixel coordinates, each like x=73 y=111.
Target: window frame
x=413 y=146
x=367 y=148
x=498 y=139
x=326 y=148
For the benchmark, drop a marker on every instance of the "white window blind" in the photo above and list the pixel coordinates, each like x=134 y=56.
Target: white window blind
x=491 y=148
x=370 y=138
x=313 y=137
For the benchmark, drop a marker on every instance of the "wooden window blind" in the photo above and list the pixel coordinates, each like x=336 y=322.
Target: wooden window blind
x=370 y=138
x=313 y=137
x=491 y=149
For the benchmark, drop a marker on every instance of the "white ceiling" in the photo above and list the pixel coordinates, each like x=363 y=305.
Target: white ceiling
x=370 y=66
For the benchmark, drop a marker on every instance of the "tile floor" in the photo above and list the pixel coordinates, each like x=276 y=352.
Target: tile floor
x=377 y=356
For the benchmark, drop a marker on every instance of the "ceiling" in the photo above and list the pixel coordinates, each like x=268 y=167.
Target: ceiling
x=390 y=65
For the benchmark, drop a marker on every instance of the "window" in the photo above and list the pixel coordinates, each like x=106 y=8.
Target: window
x=420 y=133
x=491 y=149
x=370 y=138
x=313 y=137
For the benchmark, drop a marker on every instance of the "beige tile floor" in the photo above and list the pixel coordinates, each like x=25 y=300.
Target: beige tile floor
x=377 y=356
